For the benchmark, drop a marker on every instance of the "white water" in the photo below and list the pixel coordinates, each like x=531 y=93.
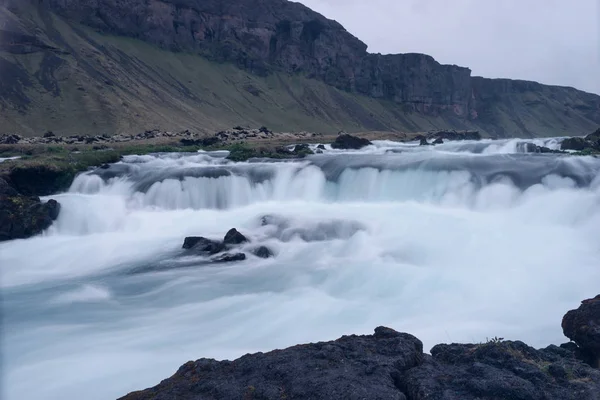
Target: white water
x=456 y=242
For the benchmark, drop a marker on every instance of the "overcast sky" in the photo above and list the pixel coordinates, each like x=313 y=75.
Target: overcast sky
x=549 y=41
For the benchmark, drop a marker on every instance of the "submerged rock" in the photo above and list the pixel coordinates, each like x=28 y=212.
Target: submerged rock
x=321 y=147
x=233 y=237
x=229 y=257
x=24 y=216
x=262 y=252
x=349 y=142
x=202 y=245
x=582 y=326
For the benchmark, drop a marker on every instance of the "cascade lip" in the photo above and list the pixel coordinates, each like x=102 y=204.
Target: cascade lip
x=524 y=170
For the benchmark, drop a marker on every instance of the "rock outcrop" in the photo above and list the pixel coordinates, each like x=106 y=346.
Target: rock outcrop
x=352 y=367
x=582 y=326
x=386 y=365
x=24 y=216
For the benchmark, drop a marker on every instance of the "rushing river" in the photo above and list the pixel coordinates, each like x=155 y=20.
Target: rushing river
x=454 y=243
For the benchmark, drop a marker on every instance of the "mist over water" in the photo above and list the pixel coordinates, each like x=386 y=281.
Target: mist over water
x=453 y=243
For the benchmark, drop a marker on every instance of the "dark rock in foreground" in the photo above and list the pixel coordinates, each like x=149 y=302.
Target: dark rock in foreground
x=386 y=365
x=500 y=370
x=23 y=216
x=582 y=326
x=352 y=367
x=349 y=142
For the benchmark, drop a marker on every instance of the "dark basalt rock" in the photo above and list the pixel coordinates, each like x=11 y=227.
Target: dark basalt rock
x=352 y=367
x=438 y=140
x=229 y=257
x=349 y=142
x=233 y=237
x=500 y=370
x=321 y=147
x=21 y=216
x=202 y=245
x=262 y=252
x=392 y=365
x=423 y=141
x=582 y=326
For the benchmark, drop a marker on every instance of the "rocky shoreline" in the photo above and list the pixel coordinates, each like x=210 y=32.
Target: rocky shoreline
x=392 y=365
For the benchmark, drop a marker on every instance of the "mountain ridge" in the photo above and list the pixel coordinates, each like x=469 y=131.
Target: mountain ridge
x=252 y=62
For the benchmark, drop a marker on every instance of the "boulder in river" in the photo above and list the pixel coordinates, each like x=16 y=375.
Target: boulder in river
x=233 y=237
x=203 y=245
x=262 y=252
x=438 y=140
x=229 y=257
x=349 y=142
x=582 y=326
x=24 y=216
x=422 y=141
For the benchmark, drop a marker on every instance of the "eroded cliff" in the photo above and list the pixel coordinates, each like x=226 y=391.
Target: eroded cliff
x=257 y=61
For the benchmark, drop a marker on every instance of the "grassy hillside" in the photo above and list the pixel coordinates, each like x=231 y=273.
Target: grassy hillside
x=94 y=84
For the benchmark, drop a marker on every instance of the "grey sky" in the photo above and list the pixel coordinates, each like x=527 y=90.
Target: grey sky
x=549 y=41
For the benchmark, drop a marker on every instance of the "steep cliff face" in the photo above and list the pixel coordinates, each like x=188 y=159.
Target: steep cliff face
x=263 y=35
x=279 y=38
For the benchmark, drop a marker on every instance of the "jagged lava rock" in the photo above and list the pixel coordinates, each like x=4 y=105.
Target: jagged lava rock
x=583 y=327
x=500 y=370
x=350 y=368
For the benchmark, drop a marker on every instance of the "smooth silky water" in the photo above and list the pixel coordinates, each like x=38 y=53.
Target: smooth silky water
x=454 y=243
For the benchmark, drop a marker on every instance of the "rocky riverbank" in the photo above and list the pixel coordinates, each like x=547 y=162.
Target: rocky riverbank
x=392 y=365
x=24 y=216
